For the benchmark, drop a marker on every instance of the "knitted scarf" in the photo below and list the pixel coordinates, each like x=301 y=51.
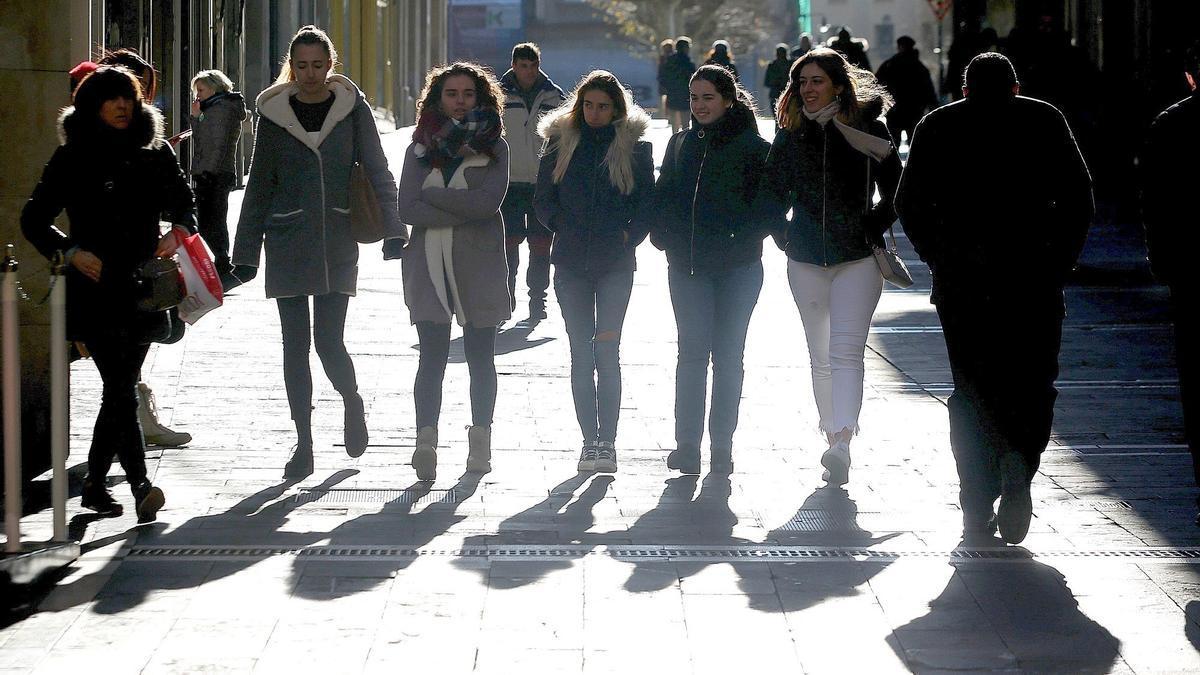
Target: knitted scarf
x=440 y=138
x=868 y=144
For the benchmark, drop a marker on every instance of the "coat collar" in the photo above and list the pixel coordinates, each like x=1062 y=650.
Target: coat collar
x=146 y=130
x=273 y=104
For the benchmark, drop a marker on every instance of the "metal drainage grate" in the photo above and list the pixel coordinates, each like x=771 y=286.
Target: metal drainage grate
x=654 y=553
x=821 y=520
x=353 y=496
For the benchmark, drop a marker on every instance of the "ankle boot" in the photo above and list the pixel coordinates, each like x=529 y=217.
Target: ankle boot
x=721 y=458
x=148 y=500
x=355 y=426
x=424 y=458
x=301 y=463
x=97 y=497
x=479 y=455
x=155 y=433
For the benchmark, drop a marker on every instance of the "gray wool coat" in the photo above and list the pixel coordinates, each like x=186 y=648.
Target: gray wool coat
x=471 y=222
x=297 y=198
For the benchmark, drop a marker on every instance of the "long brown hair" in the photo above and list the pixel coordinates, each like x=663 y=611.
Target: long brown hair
x=307 y=35
x=598 y=80
x=488 y=93
x=860 y=89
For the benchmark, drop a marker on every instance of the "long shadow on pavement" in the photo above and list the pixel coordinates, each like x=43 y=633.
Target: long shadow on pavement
x=1006 y=616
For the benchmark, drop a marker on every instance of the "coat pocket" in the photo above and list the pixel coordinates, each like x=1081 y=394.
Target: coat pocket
x=288 y=242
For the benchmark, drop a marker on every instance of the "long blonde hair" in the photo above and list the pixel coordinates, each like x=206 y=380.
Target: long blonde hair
x=307 y=35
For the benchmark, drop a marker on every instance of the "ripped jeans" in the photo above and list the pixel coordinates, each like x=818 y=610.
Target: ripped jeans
x=593 y=308
x=836 y=304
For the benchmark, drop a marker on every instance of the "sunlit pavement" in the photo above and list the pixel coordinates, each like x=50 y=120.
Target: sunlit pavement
x=537 y=569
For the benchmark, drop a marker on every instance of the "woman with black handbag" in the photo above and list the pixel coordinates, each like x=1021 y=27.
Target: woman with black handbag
x=830 y=156
x=313 y=125
x=116 y=177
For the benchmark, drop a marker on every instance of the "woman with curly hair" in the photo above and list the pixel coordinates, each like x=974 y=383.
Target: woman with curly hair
x=455 y=269
x=829 y=157
x=595 y=191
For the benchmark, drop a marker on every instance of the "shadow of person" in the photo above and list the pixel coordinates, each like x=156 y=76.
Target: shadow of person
x=1192 y=627
x=1017 y=616
x=826 y=518
x=508 y=340
x=395 y=524
x=256 y=519
x=560 y=518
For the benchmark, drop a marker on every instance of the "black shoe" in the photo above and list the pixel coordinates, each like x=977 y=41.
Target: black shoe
x=685 y=460
x=97 y=498
x=228 y=281
x=721 y=460
x=980 y=533
x=301 y=463
x=1016 y=505
x=149 y=499
x=355 y=433
x=537 y=310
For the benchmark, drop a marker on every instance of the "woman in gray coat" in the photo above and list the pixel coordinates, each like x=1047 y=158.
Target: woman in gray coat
x=312 y=124
x=453 y=182
x=216 y=120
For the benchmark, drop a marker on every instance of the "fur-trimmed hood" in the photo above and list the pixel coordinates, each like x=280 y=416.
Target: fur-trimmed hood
x=147 y=130
x=562 y=134
x=273 y=104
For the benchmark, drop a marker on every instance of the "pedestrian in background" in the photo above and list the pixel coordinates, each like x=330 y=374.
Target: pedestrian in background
x=996 y=163
x=909 y=83
x=665 y=49
x=116 y=178
x=721 y=55
x=529 y=94
x=776 y=78
x=853 y=49
x=155 y=432
x=803 y=47
x=216 y=120
x=705 y=193
x=313 y=125
x=829 y=157
x=1169 y=179
x=451 y=189
x=595 y=191
x=676 y=75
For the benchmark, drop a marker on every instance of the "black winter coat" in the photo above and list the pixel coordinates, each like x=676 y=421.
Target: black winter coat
x=1170 y=174
x=996 y=187
x=829 y=186
x=115 y=188
x=596 y=228
x=705 y=194
x=674 y=76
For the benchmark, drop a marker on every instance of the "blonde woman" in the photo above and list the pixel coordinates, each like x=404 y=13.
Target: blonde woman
x=216 y=120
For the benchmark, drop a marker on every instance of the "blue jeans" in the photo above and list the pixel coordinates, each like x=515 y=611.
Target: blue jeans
x=712 y=311
x=593 y=308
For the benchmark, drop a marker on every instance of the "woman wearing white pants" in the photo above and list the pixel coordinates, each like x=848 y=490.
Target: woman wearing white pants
x=829 y=157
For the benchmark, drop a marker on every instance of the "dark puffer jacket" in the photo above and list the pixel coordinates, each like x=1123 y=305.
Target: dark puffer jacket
x=115 y=187
x=596 y=228
x=829 y=186
x=705 y=193
x=215 y=133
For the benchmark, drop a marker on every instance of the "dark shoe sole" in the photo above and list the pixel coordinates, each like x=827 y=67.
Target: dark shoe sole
x=148 y=506
x=684 y=461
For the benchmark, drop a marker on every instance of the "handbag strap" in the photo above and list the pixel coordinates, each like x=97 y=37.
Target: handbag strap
x=889 y=231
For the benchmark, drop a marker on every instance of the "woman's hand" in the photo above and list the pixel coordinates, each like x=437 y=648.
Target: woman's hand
x=167 y=244
x=87 y=264
x=195 y=108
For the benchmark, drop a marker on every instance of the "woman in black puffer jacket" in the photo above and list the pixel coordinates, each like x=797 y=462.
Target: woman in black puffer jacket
x=829 y=157
x=709 y=180
x=116 y=178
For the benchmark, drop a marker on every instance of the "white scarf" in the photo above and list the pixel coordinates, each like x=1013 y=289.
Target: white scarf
x=868 y=144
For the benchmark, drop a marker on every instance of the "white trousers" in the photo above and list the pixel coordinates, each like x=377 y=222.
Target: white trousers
x=836 y=305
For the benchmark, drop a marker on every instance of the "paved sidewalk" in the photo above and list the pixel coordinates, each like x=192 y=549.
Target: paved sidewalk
x=537 y=569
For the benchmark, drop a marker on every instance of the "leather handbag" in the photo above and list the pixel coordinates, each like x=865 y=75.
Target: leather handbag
x=366 y=218
x=159 y=285
x=893 y=269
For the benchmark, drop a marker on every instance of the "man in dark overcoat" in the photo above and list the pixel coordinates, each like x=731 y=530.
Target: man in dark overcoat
x=997 y=199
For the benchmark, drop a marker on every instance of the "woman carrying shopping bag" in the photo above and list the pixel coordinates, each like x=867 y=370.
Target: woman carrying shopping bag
x=595 y=191
x=705 y=193
x=830 y=156
x=455 y=269
x=312 y=125
x=116 y=177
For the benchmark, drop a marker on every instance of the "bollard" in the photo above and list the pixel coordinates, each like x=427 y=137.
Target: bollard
x=11 y=394
x=59 y=420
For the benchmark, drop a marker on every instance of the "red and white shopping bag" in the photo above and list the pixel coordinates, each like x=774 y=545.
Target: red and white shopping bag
x=204 y=292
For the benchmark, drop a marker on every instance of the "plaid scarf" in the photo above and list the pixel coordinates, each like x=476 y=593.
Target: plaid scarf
x=441 y=138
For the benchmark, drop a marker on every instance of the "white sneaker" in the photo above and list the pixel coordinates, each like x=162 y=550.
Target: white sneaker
x=587 y=457
x=836 y=461
x=606 y=457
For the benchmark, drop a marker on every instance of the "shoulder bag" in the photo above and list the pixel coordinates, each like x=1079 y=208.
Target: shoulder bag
x=893 y=269
x=366 y=218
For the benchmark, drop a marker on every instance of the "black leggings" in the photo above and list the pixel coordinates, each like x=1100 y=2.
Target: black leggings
x=328 y=325
x=480 y=347
x=119 y=360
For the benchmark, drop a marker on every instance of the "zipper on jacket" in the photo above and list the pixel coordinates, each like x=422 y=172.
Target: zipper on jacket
x=824 y=195
x=324 y=225
x=695 y=196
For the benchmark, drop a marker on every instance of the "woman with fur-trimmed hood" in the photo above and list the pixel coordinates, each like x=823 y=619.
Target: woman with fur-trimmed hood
x=116 y=178
x=595 y=191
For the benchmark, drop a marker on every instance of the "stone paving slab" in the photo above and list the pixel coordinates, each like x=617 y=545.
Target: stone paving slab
x=535 y=568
